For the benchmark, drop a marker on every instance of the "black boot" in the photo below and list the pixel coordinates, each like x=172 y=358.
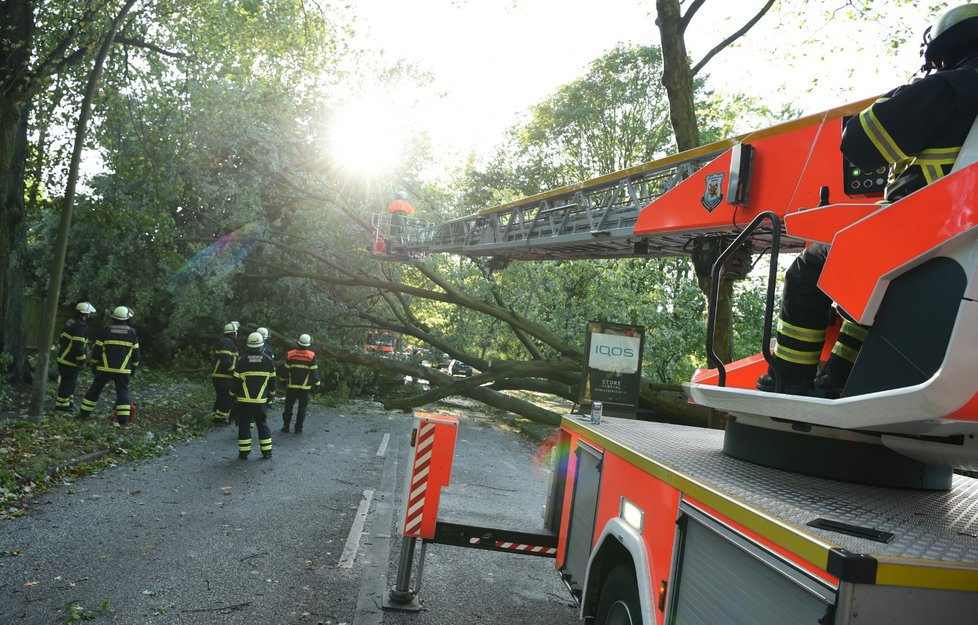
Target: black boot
x=798 y=379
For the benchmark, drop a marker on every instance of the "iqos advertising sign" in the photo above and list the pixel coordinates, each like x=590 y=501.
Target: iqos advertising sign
x=611 y=352
x=613 y=370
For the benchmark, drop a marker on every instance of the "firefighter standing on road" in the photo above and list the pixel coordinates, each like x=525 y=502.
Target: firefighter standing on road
x=918 y=130
x=254 y=385
x=115 y=358
x=225 y=358
x=72 y=354
x=267 y=347
x=301 y=376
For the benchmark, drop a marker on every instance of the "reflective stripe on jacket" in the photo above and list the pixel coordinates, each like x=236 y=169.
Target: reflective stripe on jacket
x=917 y=129
x=225 y=358
x=117 y=349
x=254 y=377
x=301 y=369
x=73 y=343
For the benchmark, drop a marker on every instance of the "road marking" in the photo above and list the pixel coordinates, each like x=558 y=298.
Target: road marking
x=356 y=531
x=377 y=551
x=383 y=445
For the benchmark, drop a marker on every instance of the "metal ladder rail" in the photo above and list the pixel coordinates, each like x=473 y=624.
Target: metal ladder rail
x=531 y=222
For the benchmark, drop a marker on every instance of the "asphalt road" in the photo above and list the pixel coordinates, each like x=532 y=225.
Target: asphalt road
x=310 y=536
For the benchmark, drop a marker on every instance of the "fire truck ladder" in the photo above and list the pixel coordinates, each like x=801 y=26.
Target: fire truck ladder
x=591 y=219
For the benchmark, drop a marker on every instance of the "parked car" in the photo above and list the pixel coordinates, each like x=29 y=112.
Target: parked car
x=457 y=367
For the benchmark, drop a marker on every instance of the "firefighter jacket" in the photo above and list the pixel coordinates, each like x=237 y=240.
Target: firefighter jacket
x=117 y=349
x=73 y=343
x=254 y=377
x=301 y=369
x=225 y=358
x=917 y=129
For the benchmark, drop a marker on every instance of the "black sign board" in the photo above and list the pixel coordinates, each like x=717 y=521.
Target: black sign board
x=612 y=368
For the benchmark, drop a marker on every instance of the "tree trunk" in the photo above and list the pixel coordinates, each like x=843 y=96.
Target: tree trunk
x=15 y=50
x=67 y=205
x=14 y=255
x=677 y=76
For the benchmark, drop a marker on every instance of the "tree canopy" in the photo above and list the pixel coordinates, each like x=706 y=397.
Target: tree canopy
x=210 y=193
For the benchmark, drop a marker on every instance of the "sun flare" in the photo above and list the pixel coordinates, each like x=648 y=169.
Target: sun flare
x=368 y=135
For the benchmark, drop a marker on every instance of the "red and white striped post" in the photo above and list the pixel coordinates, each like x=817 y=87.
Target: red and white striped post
x=429 y=470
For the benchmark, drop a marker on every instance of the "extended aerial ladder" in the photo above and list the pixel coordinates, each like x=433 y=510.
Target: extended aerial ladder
x=911 y=391
x=631 y=213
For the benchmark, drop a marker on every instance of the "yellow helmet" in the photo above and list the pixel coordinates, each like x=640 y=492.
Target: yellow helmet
x=121 y=313
x=304 y=340
x=85 y=308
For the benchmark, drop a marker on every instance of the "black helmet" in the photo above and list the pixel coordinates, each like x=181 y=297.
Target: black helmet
x=952 y=37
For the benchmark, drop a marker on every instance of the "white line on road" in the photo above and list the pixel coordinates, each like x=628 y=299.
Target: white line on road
x=383 y=445
x=356 y=531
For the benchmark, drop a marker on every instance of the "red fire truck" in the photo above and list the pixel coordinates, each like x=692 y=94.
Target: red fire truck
x=804 y=510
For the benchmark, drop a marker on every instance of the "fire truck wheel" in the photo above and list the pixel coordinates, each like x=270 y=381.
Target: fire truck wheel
x=618 y=603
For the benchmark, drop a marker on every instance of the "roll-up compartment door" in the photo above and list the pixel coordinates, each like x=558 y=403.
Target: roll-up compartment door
x=584 y=507
x=720 y=576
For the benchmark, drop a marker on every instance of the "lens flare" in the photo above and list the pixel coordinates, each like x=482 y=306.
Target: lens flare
x=220 y=258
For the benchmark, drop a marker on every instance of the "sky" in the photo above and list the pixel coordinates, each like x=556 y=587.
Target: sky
x=493 y=59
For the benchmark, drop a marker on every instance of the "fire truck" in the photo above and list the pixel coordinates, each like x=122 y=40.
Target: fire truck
x=804 y=509
x=382 y=341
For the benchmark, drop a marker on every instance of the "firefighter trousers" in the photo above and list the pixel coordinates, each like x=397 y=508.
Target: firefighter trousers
x=223 y=399
x=123 y=400
x=292 y=396
x=806 y=312
x=66 y=387
x=245 y=414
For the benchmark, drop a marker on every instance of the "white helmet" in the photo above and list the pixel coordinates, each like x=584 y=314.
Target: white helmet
x=85 y=308
x=263 y=332
x=304 y=340
x=229 y=328
x=255 y=340
x=121 y=313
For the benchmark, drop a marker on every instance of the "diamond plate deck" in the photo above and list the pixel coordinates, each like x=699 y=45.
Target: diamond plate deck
x=941 y=527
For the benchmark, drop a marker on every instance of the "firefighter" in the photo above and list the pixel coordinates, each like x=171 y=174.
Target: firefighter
x=225 y=358
x=399 y=211
x=254 y=386
x=917 y=130
x=72 y=354
x=115 y=358
x=301 y=376
x=267 y=348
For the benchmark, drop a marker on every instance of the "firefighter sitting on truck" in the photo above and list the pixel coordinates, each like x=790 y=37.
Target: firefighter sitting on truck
x=917 y=129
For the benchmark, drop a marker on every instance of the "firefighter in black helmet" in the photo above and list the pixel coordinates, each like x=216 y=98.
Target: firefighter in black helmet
x=116 y=358
x=222 y=375
x=254 y=385
x=301 y=376
x=72 y=354
x=917 y=130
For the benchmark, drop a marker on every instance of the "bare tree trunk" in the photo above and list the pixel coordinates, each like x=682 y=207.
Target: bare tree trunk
x=677 y=77
x=15 y=50
x=13 y=225
x=67 y=205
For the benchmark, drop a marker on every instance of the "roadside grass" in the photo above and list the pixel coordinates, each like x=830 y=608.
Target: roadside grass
x=34 y=458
